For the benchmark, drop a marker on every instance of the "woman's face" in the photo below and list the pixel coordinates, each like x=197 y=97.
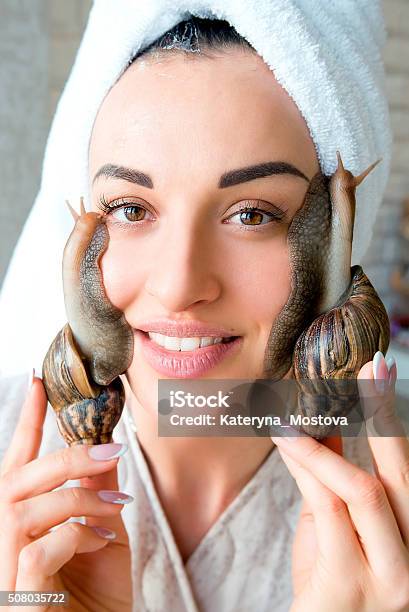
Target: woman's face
x=167 y=143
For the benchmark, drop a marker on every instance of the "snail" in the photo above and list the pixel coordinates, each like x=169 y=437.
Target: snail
x=334 y=321
x=83 y=363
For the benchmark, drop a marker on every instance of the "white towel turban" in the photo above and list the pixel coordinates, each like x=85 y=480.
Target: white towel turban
x=327 y=55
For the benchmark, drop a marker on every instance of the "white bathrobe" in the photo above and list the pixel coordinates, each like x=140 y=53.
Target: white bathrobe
x=242 y=564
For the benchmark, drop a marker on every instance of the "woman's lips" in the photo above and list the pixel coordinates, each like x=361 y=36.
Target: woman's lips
x=185 y=364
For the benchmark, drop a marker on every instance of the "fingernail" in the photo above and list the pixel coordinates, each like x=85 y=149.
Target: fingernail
x=105 y=533
x=115 y=497
x=392 y=368
x=278 y=440
x=393 y=373
x=103 y=452
x=390 y=361
x=377 y=363
x=380 y=371
x=274 y=430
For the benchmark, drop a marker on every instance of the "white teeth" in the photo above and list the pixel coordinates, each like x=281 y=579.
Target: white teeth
x=174 y=343
x=154 y=336
x=189 y=344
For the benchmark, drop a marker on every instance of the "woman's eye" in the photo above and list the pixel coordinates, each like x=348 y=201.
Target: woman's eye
x=130 y=214
x=251 y=216
x=125 y=212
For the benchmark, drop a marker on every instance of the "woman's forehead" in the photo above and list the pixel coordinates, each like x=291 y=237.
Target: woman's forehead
x=197 y=111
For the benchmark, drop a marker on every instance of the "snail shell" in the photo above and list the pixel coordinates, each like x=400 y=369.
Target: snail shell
x=82 y=366
x=86 y=413
x=335 y=347
x=339 y=342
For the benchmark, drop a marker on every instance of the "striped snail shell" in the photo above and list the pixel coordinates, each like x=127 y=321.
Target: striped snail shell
x=82 y=366
x=331 y=351
x=334 y=321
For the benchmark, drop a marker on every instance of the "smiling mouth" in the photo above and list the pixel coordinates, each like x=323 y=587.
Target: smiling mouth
x=187 y=356
x=191 y=343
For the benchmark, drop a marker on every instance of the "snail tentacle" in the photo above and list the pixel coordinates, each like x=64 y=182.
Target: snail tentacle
x=337 y=265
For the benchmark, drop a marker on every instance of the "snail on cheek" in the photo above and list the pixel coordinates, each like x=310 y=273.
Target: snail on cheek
x=82 y=366
x=334 y=321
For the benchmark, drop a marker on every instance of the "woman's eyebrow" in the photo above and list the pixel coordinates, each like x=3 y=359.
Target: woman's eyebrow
x=249 y=173
x=232 y=177
x=127 y=174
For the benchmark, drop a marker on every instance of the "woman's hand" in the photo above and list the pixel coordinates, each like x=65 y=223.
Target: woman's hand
x=351 y=546
x=90 y=561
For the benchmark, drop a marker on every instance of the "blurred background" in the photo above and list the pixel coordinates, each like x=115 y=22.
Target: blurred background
x=38 y=42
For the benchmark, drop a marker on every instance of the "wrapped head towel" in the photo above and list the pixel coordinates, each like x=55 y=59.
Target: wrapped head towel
x=326 y=55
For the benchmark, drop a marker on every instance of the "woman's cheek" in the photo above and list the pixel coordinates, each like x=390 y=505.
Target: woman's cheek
x=268 y=285
x=121 y=273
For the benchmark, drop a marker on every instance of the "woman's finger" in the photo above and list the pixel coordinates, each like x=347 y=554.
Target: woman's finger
x=390 y=453
x=53 y=470
x=41 y=513
x=27 y=436
x=391 y=459
x=364 y=495
x=305 y=548
x=378 y=399
x=22 y=521
x=107 y=481
x=336 y=538
x=41 y=559
x=11 y=542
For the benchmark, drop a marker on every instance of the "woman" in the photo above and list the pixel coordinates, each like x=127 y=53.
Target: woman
x=193 y=248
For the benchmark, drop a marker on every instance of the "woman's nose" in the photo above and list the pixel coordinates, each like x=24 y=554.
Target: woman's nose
x=184 y=272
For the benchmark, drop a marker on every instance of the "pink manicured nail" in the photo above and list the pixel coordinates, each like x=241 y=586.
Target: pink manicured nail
x=103 y=452
x=380 y=371
x=279 y=439
x=390 y=361
x=284 y=429
x=105 y=533
x=393 y=373
x=392 y=368
x=115 y=497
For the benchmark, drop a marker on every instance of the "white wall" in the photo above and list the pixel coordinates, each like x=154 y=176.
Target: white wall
x=38 y=42
x=386 y=247
x=23 y=113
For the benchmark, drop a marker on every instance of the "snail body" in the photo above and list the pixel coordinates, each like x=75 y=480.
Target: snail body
x=334 y=321
x=82 y=366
